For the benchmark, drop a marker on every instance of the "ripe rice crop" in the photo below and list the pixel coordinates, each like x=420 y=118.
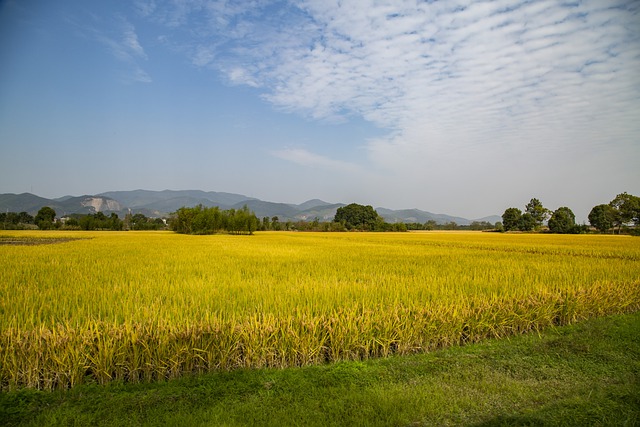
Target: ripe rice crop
x=148 y=306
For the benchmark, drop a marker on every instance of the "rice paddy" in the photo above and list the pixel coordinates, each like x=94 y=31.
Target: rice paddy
x=149 y=306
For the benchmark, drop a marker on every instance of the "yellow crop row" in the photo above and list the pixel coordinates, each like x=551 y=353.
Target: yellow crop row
x=136 y=306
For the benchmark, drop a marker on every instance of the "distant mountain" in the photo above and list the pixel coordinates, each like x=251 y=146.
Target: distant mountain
x=27 y=202
x=416 y=215
x=63 y=198
x=282 y=210
x=88 y=204
x=322 y=212
x=145 y=198
x=162 y=203
x=311 y=204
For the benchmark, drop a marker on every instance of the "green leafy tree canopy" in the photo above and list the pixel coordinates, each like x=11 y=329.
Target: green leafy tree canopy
x=511 y=219
x=205 y=220
x=562 y=221
x=539 y=214
x=627 y=208
x=602 y=217
x=45 y=218
x=359 y=217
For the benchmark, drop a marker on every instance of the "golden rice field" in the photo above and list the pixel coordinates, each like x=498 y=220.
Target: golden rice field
x=136 y=306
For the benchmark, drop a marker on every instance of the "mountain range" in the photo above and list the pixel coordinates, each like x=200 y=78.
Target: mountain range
x=162 y=203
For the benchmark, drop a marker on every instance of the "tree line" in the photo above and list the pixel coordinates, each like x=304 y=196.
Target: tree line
x=204 y=220
x=16 y=221
x=431 y=225
x=46 y=219
x=211 y=220
x=622 y=212
x=99 y=221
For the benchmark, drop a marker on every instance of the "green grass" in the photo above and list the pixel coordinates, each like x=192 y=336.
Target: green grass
x=587 y=374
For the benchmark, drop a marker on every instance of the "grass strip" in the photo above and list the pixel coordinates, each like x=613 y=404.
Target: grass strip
x=584 y=374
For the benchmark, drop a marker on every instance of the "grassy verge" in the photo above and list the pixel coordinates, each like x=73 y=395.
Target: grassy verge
x=585 y=374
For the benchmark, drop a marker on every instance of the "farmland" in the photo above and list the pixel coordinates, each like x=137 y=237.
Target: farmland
x=139 y=307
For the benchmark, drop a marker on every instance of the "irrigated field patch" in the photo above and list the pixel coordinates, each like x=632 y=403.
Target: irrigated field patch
x=31 y=240
x=149 y=306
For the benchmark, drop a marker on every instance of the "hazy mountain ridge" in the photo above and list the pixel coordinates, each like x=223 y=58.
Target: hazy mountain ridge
x=144 y=198
x=27 y=202
x=162 y=203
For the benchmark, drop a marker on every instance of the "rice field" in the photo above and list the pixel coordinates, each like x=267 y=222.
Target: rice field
x=149 y=306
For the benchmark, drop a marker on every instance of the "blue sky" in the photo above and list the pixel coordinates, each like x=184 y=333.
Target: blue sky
x=455 y=107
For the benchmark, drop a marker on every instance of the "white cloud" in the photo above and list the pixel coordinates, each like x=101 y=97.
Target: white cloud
x=140 y=76
x=457 y=84
x=306 y=158
x=203 y=56
x=239 y=75
x=123 y=44
x=130 y=43
x=145 y=7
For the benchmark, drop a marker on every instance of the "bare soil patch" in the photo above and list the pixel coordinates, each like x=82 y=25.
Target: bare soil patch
x=31 y=241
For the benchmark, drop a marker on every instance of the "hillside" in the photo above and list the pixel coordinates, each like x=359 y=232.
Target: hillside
x=162 y=203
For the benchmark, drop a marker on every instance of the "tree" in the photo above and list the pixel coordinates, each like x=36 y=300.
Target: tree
x=451 y=225
x=203 y=220
x=400 y=226
x=139 y=221
x=182 y=221
x=275 y=223
x=527 y=222
x=72 y=223
x=355 y=216
x=602 y=217
x=539 y=213
x=430 y=225
x=12 y=220
x=627 y=208
x=114 y=222
x=46 y=214
x=45 y=218
x=562 y=221
x=266 y=223
x=480 y=225
x=87 y=222
x=25 y=218
x=243 y=220
x=100 y=216
x=511 y=219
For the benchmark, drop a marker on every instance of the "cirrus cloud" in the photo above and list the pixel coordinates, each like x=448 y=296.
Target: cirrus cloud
x=488 y=88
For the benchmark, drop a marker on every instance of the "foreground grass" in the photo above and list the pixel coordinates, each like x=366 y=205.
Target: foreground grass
x=581 y=375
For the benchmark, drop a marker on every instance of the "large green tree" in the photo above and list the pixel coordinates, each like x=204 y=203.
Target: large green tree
x=602 y=217
x=511 y=219
x=627 y=208
x=528 y=222
x=539 y=214
x=25 y=218
x=359 y=217
x=45 y=218
x=562 y=221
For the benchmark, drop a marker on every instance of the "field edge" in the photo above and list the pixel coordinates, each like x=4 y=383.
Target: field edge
x=583 y=374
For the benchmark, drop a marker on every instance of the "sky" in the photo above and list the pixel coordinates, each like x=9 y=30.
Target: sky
x=457 y=107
